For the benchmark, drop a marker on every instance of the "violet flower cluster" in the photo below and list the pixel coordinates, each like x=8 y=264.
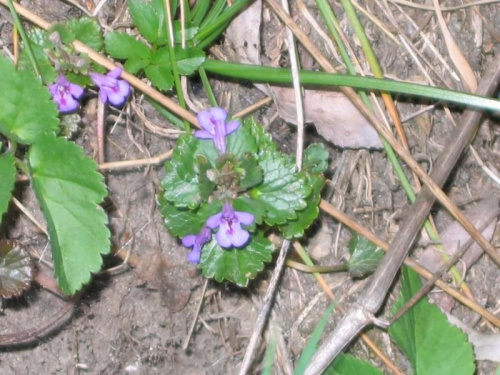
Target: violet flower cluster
x=67 y=95
x=227 y=223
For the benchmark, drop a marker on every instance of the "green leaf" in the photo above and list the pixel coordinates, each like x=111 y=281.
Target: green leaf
x=241 y=141
x=365 y=256
x=182 y=221
x=206 y=185
x=348 y=365
x=316 y=158
x=16 y=269
x=8 y=173
x=160 y=76
x=312 y=343
x=123 y=46
x=431 y=343
x=247 y=204
x=188 y=59
x=295 y=228
x=158 y=6
x=253 y=174
x=69 y=189
x=65 y=33
x=45 y=67
x=262 y=139
x=181 y=181
x=283 y=189
x=27 y=111
x=190 y=31
x=236 y=265
x=145 y=18
x=87 y=31
x=134 y=64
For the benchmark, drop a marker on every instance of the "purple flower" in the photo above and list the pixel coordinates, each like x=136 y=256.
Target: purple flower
x=111 y=89
x=229 y=222
x=215 y=127
x=196 y=242
x=66 y=94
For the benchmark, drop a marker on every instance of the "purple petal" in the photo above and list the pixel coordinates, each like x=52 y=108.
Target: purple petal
x=67 y=104
x=188 y=240
x=223 y=238
x=205 y=121
x=75 y=90
x=218 y=114
x=214 y=221
x=194 y=256
x=231 y=126
x=244 y=217
x=97 y=78
x=118 y=94
x=115 y=73
x=103 y=97
x=240 y=236
x=203 y=134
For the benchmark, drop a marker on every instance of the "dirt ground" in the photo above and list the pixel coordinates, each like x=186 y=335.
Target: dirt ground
x=135 y=320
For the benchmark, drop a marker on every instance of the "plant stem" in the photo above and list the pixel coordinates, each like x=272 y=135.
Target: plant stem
x=207 y=87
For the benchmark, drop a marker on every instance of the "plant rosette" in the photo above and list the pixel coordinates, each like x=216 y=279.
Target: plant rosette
x=226 y=185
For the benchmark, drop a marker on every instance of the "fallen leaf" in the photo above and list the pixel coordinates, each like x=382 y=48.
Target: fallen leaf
x=455 y=236
x=16 y=269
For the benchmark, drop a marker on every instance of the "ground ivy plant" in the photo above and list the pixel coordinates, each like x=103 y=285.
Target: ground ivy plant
x=227 y=185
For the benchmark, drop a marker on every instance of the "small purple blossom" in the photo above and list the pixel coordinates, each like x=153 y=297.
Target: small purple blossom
x=215 y=127
x=111 y=89
x=66 y=94
x=229 y=222
x=196 y=242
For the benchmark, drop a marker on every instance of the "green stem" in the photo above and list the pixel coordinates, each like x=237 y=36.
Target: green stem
x=24 y=37
x=255 y=73
x=208 y=88
x=22 y=166
x=173 y=62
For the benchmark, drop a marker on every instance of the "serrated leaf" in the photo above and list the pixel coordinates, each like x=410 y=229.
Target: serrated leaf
x=316 y=158
x=346 y=364
x=236 y=265
x=134 y=65
x=188 y=59
x=253 y=174
x=247 y=204
x=283 y=189
x=262 y=139
x=181 y=180
x=70 y=189
x=365 y=256
x=7 y=180
x=189 y=29
x=158 y=6
x=66 y=35
x=87 y=31
x=27 y=111
x=145 y=18
x=241 y=141
x=45 y=67
x=124 y=46
x=16 y=269
x=295 y=228
x=160 y=76
x=182 y=221
x=431 y=343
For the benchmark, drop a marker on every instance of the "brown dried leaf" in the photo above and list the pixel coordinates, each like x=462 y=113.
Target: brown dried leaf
x=16 y=269
x=455 y=236
x=334 y=116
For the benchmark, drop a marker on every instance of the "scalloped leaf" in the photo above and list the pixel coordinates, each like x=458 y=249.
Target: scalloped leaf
x=316 y=158
x=262 y=139
x=431 y=343
x=241 y=141
x=295 y=228
x=70 y=189
x=16 y=269
x=365 y=256
x=27 y=111
x=346 y=364
x=7 y=181
x=283 y=189
x=236 y=265
x=181 y=182
x=146 y=19
x=123 y=46
x=247 y=204
x=87 y=31
x=181 y=221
